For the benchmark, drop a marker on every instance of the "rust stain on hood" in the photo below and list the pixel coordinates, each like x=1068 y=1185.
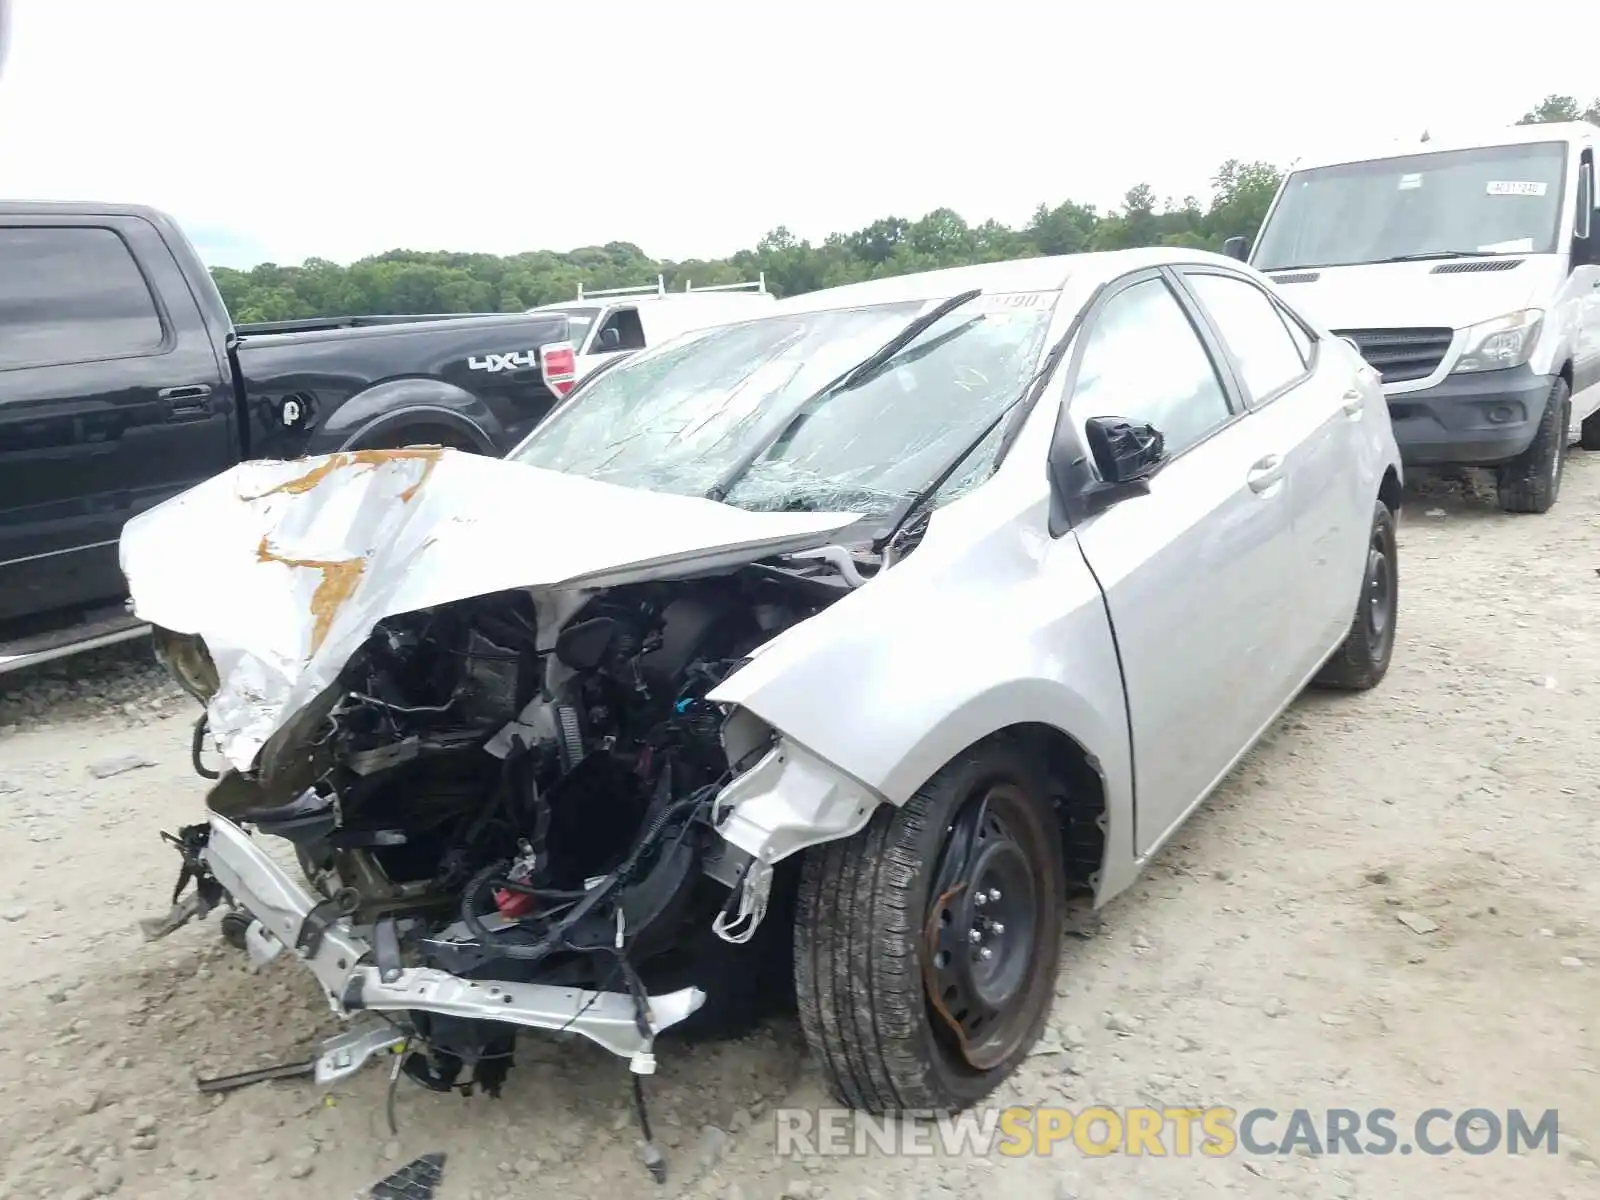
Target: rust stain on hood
x=348 y=459
x=339 y=579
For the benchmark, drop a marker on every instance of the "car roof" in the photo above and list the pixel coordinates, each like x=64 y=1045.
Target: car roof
x=1045 y=274
x=1461 y=139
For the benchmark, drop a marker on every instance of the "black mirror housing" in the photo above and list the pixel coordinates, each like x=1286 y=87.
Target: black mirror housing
x=1237 y=247
x=1124 y=456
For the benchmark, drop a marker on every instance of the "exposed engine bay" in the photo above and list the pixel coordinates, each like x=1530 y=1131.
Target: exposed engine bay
x=477 y=801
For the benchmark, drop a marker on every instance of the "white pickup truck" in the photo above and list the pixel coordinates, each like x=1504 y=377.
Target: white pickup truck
x=617 y=321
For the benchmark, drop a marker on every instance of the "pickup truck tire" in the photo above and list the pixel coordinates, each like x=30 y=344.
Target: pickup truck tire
x=1531 y=482
x=1362 y=659
x=890 y=937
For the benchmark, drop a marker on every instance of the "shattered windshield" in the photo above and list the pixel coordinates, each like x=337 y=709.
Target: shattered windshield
x=682 y=416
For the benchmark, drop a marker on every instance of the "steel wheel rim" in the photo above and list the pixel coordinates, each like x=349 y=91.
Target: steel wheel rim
x=981 y=931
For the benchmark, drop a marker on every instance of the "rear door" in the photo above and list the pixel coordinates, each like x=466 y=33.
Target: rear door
x=1200 y=574
x=112 y=398
x=1310 y=413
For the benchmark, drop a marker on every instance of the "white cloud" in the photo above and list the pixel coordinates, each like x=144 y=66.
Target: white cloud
x=344 y=127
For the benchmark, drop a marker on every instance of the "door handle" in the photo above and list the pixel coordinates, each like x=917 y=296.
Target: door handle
x=1266 y=474
x=186 y=402
x=1354 y=403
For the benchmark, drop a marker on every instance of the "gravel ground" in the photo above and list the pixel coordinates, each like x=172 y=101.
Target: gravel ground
x=1261 y=961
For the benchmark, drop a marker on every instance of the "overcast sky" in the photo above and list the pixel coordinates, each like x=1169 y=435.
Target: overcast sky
x=344 y=127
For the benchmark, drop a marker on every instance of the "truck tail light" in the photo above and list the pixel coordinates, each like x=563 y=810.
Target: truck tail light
x=558 y=364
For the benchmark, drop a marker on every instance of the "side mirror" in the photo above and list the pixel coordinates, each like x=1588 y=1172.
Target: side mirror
x=610 y=338
x=1124 y=453
x=1125 y=456
x=1237 y=247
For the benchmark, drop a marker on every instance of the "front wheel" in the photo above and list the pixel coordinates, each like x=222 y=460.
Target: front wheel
x=1362 y=659
x=1531 y=482
x=926 y=946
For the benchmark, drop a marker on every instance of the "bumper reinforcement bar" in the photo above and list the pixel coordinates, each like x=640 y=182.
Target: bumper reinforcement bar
x=341 y=961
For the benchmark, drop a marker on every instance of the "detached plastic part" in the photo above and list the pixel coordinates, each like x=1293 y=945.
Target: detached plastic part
x=414 y=1181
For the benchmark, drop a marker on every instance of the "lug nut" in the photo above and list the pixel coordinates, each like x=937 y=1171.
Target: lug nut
x=996 y=928
x=994 y=895
x=974 y=936
x=986 y=954
x=980 y=899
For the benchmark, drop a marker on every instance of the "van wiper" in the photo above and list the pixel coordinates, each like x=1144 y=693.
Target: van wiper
x=853 y=377
x=1426 y=255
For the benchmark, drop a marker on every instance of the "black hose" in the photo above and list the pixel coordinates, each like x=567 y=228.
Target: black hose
x=197 y=747
x=551 y=941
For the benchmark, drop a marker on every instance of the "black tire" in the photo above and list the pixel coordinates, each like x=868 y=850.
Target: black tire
x=1531 y=482
x=863 y=920
x=1362 y=659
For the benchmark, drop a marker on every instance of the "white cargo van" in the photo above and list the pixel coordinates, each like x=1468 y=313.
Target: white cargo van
x=617 y=321
x=1466 y=271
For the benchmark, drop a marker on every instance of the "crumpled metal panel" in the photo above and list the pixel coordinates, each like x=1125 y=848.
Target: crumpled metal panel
x=284 y=568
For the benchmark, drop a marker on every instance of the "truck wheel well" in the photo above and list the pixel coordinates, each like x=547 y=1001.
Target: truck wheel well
x=1389 y=491
x=1080 y=795
x=419 y=435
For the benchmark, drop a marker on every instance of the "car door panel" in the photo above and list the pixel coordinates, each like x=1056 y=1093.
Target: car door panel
x=109 y=404
x=1183 y=569
x=1305 y=400
x=1196 y=573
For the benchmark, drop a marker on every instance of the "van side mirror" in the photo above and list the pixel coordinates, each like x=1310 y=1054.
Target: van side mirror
x=1237 y=247
x=1125 y=455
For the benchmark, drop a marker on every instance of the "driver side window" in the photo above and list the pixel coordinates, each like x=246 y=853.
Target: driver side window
x=1144 y=361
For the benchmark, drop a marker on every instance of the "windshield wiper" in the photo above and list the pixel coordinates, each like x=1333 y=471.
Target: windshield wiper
x=851 y=378
x=908 y=507
x=1426 y=255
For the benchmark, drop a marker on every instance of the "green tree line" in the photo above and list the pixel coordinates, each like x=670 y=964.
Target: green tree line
x=440 y=281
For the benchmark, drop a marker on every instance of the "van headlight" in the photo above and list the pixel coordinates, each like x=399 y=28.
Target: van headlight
x=1503 y=342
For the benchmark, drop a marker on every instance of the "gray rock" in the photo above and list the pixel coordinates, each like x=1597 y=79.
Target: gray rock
x=147 y=1123
x=107 y=767
x=1122 y=1024
x=1274 y=1007
x=712 y=1146
x=107 y=1180
x=14 y=915
x=301 y=1170
x=798 y=1189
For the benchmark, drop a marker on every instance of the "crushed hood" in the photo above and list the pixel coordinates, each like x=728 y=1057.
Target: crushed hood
x=1399 y=295
x=284 y=568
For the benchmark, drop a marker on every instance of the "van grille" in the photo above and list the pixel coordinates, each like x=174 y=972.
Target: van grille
x=1400 y=354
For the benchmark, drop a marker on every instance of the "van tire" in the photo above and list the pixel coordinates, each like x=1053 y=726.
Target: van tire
x=1530 y=482
x=864 y=914
x=1362 y=659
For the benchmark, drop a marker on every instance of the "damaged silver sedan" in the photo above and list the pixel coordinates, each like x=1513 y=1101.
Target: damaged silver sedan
x=835 y=647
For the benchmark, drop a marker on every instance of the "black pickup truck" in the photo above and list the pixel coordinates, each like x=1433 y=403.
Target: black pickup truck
x=123 y=382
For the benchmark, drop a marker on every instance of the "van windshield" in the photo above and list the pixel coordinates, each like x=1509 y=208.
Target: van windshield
x=1491 y=200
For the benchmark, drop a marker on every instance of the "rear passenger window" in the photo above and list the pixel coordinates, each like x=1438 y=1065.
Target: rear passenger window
x=1144 y=361
x=72 y=295
x=1254 y=330
x=1297 y=332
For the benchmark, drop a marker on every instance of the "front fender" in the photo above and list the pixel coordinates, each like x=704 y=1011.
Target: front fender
x=397 y=403
x=896 y=679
